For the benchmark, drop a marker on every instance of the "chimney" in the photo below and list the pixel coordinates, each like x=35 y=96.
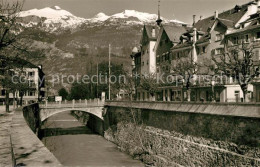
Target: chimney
x=253 y=8
x=194 y=19
x=216 y=14
x=194 y=35
x=153 y=32
x=194 y=51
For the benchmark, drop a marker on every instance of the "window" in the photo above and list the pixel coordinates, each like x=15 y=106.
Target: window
x=198 y=50
x=31 y=93
x=3 y=92
x=218 y=37
x=258 y=35
x=31 y=83
x=219 y=51
x=31 y=74
x=204 y=49
x=147 y=62
x=246 y=39
x=178 y=55
x=167 y=57
x=143 y=63
x=167 y=68
x=257 y=54
x=235 y=40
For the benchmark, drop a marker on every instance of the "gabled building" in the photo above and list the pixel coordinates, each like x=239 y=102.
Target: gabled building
x=207 y=39
x=169 y=36
x=148 y=56
x=248 y=33
x=144 y=58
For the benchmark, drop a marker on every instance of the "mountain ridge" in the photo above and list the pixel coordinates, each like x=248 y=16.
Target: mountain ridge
x=53 y=19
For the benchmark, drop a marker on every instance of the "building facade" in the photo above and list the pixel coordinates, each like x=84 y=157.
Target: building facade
x=206 y=39
x=31 y=75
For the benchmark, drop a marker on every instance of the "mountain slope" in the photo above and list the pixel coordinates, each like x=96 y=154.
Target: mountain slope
x=69 y=45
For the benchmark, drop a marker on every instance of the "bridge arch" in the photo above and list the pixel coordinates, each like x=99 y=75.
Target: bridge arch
x=45 y=113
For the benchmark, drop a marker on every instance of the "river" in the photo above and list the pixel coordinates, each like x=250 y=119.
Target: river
x=74 y=144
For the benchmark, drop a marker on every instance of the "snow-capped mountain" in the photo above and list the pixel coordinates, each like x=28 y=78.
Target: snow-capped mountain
x=52 y=19
x=129 y=16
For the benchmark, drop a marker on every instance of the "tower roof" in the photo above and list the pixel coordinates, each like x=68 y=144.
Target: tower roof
x=159 y=20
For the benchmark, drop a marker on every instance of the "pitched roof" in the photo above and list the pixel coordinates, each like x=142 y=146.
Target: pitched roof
x=204 y=38
x=227 y=23
x=182 y=45
x=231 y=15
x=174 y=32
x=248 y=28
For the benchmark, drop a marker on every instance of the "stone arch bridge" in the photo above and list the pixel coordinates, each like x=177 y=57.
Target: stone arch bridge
x=94 y=107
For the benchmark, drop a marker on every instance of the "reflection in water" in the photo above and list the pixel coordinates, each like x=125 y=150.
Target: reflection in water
x=48 y=132
x=76 y=145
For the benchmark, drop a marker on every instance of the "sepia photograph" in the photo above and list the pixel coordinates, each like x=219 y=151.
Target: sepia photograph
x=130 y=83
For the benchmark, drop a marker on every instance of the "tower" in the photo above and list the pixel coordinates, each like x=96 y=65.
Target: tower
x=159 y=20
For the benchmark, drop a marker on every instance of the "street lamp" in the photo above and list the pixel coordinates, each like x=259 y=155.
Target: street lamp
x=213 y=91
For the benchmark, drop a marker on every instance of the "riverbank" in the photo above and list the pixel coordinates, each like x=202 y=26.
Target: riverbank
x=88 y=149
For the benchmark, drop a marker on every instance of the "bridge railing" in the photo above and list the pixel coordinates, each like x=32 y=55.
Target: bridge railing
x=73 y=103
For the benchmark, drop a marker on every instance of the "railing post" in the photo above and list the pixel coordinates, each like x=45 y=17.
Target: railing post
x=86 y=102
x=80 y=101
x=46 y=103
x=65 y=101
x=60 y=104
x=73 y=103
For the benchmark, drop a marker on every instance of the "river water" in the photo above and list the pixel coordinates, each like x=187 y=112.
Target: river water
x=74 y=144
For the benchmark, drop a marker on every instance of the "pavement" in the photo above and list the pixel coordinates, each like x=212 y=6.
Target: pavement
x=5 y=143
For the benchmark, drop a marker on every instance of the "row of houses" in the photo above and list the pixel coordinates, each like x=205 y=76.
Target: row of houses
x=25 y=73
x=163 y=44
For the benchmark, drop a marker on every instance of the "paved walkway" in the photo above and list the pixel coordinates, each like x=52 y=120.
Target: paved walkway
x=2 y=109
x=5 y=144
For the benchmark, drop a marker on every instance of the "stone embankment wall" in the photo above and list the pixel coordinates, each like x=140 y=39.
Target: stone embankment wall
x=28 y=150
x=31 y=114
x=161 y=137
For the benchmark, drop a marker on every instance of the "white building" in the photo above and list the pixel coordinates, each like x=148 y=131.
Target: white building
x=34 y=77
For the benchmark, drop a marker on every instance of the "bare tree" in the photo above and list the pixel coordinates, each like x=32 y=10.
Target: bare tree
x=10 y=43
x=239 y=62
x=149 y=83
x=185 y=70
x=8 y=23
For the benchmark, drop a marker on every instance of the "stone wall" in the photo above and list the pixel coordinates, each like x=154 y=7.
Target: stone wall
x=31 y=114
x=170 y=138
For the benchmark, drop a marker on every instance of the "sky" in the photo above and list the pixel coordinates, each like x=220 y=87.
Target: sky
x=182 y=10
